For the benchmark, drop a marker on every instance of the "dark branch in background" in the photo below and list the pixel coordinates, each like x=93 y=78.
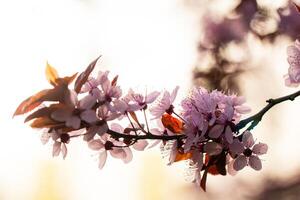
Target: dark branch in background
x=255 y=119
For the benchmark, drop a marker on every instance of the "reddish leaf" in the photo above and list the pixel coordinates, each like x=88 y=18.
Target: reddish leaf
x=134 y=117
x=45 y=122
x=43 y=112
x=68 y=79
x=297 y=7
x=51 y=75
x=83 y=77
x=172 y=123
x=30 y=103
x=182 y=156
x=114 y=81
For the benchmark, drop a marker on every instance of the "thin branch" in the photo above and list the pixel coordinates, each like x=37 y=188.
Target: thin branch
x=144 y=137
x=255 y=119
x=145 y=116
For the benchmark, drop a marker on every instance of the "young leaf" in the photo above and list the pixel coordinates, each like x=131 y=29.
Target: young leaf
x=83 y=77
x=297 y=7
x=182 y=156
x=43 y=112
x=172 y=123
x=30 y=103
x=44 y=122
x=51 y=75
x=114 y=81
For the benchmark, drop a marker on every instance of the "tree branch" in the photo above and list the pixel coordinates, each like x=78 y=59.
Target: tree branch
x=143 y=137
x=255 y=119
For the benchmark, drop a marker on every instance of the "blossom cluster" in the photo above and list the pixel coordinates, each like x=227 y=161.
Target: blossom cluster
x=201 y=130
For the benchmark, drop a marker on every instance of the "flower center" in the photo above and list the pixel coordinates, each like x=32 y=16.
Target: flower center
x=170 y=110
x=247 y=152
x=64 y=138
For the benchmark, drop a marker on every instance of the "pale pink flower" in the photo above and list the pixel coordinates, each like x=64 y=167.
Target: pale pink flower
x=100 y=126
x=292 y=79
x=163 y=104
x=139 y=145
x=250 y=153
x=73 y=113
x=142 y=101
x=105 y=144
x=109 y=92
x=60 y=140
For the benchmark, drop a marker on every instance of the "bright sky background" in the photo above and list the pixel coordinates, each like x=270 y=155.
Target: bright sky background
x=148 y=43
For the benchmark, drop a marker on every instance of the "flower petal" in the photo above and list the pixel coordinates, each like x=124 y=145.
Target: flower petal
x=240 y=162
x=260 y=148
x=116 y=127
x=216 y=131
x=102 y=159
x=236 y=147
x=45 y=137
x=73 y=122
x=151 y=97
x=87 y=102
x=229 y=135
x=56 y=148
x=174 y=94
x=140 y=145
x=96 y=145
x=255 y=163
x=248 y=140
x=128 y=156
x=89 y=116
x=64 y=150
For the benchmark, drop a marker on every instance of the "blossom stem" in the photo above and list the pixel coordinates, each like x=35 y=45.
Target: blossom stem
x=146 y=121
x=255 y=119
x=131 y=124
x=179 y=116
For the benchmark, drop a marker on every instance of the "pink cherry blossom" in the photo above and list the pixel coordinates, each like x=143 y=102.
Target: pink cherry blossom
x=141 y=100
x=105 y=144
x=139 y=145
x=250 y=153
x=292 y=79
x=73 y=113
x=164 y=103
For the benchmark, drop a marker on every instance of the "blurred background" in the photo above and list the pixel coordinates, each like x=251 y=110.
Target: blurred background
x=238 y=46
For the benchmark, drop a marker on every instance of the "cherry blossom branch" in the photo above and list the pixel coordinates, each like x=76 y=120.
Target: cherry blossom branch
x=255 y=119
x=144 y=137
